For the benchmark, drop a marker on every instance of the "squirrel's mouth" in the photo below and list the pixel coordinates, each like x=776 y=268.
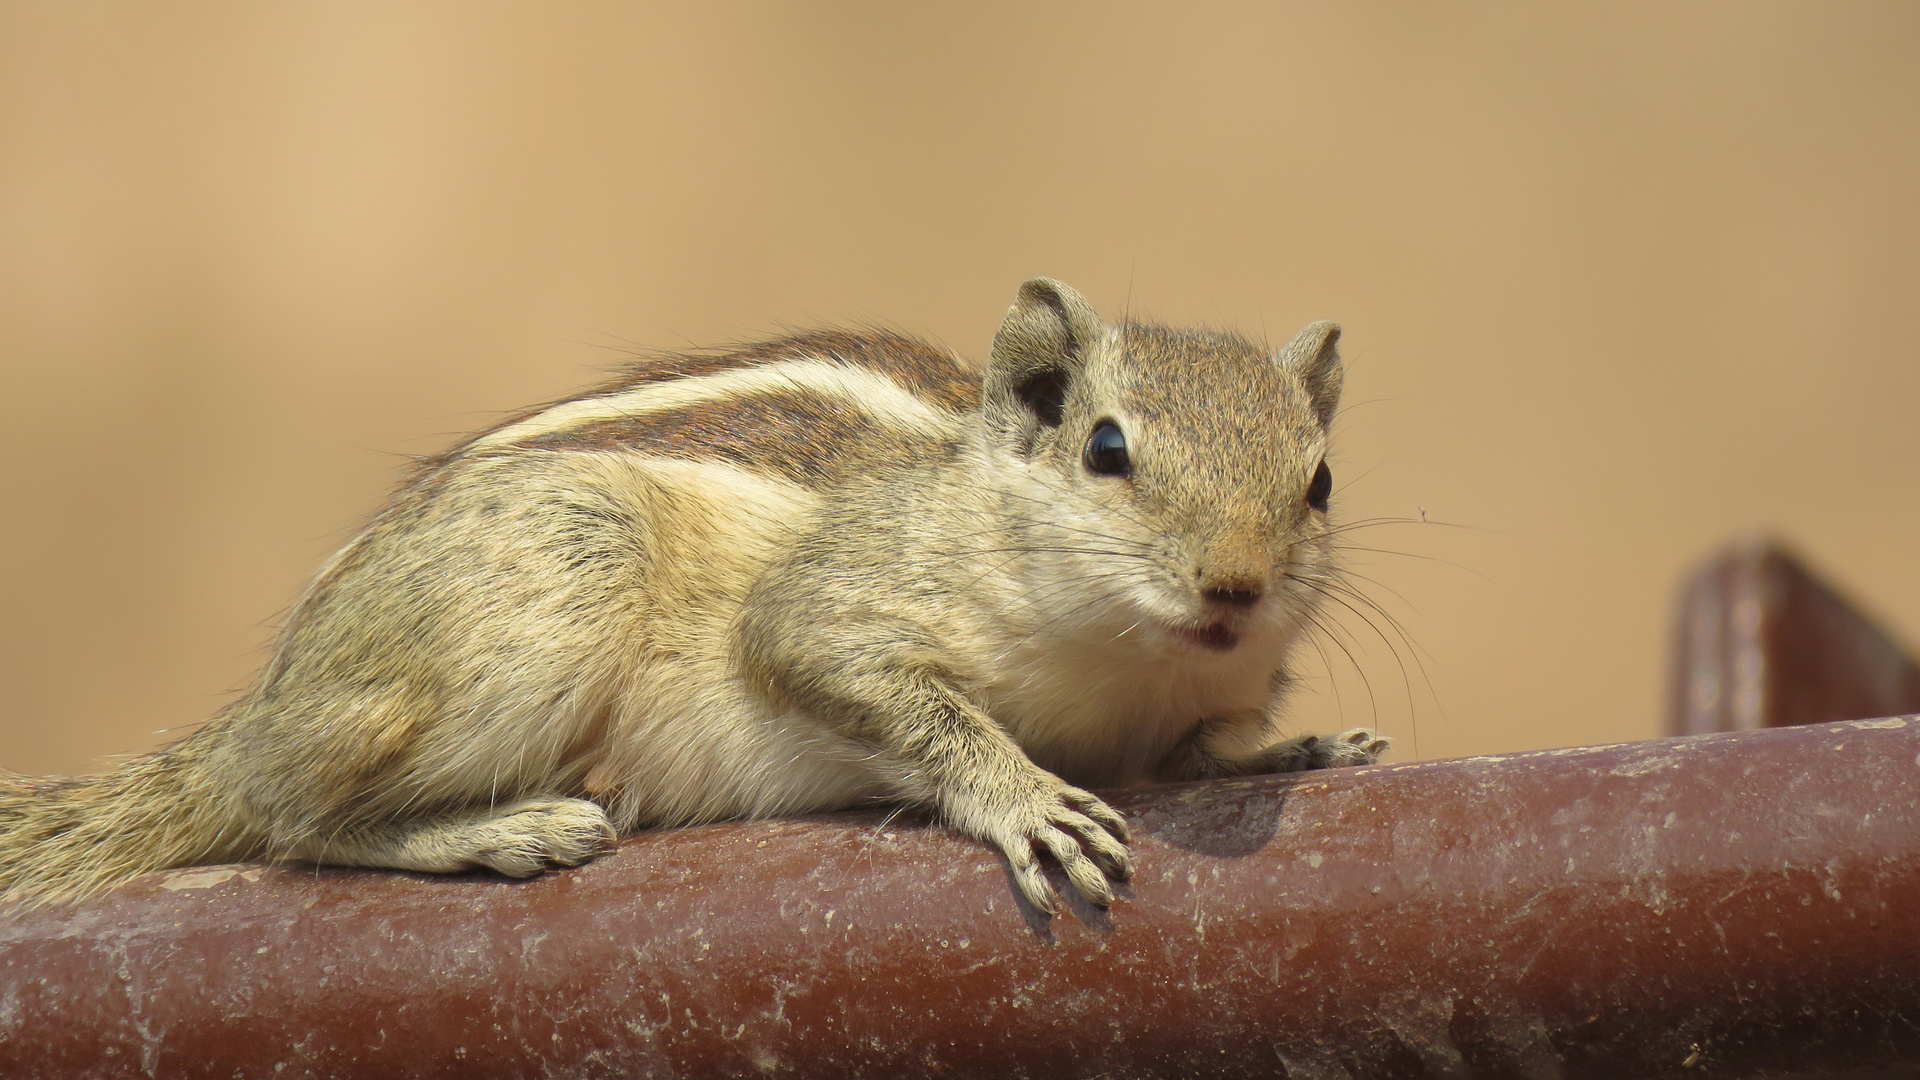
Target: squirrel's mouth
x=1213 y=637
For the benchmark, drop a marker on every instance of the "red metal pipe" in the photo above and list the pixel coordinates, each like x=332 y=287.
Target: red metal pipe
x=1761 y=641
x=1724 y=905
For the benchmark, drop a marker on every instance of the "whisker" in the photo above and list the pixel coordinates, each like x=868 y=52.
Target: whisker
x=1405 y=680
x=1345 y=547
x=1373 y=701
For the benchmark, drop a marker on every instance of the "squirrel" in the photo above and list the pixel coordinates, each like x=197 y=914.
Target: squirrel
x=834 y=569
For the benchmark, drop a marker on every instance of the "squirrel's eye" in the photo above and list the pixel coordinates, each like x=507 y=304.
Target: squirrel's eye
x=1107 y=451
x=1321 y=488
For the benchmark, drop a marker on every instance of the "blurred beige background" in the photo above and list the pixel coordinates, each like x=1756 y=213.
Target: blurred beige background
x=1619 y=281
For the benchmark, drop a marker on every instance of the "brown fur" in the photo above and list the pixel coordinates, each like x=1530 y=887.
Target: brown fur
x=832 y=569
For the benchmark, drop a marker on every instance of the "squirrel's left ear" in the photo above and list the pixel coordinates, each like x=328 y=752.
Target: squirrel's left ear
x=1042 y=347
x=1311 y=355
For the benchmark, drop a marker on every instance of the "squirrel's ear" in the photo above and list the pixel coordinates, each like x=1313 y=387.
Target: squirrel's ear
x=1311 y=354
x=1041 y=347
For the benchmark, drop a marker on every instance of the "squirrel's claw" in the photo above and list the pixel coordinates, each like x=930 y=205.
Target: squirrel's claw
x=1084 y=835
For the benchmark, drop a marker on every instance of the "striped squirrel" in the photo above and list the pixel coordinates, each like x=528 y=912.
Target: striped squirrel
x=799 y=576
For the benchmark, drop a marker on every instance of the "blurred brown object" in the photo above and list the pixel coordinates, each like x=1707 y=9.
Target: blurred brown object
x=1761 y=642
x=1736 y=905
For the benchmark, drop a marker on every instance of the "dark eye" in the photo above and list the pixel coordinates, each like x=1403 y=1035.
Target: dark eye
x=1321 y=488
x=1107 y=451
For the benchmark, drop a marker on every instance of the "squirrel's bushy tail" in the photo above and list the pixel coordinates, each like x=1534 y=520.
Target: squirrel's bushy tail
x=64 y=838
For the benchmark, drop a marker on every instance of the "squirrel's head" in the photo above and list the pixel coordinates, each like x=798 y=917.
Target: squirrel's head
x=1187 y=466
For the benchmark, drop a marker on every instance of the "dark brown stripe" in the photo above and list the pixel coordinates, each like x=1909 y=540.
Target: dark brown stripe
x=927 y=371
x=809 y=439
x=920 y=368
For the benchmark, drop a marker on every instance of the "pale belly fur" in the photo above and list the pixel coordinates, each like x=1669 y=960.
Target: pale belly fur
x=1107 y=711
x=689 y=741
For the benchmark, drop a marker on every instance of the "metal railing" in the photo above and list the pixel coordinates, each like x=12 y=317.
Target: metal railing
x=1740 y=904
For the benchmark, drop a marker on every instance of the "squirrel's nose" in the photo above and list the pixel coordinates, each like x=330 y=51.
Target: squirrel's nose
x=1234 y=569
x=1240 y=598
x=1241 y=591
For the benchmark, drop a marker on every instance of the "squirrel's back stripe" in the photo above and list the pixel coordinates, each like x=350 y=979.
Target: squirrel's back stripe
x=813 y=408
x=884 y=400
x=928 y=371
x=794 y=432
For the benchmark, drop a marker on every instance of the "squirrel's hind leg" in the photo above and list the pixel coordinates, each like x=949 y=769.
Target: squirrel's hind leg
x=518 y=839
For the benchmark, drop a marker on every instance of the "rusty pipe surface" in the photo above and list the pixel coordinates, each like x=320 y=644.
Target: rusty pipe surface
x=1722 y=905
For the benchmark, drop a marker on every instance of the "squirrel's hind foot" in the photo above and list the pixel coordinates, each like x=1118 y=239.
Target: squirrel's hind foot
x=526 y=837
x=518 y=839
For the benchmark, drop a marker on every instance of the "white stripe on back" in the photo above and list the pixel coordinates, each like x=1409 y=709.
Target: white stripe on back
x=886 y=401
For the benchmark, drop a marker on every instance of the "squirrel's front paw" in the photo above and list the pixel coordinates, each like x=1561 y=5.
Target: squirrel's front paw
x=1357 y=746
x=1084 y=835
